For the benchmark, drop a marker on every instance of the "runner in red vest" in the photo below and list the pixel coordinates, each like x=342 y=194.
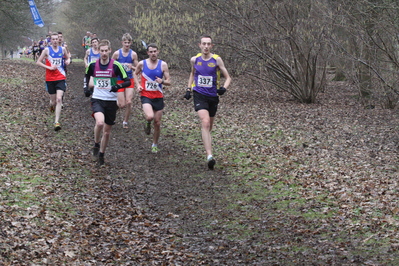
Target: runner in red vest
x=154 y=74
x=56 y=58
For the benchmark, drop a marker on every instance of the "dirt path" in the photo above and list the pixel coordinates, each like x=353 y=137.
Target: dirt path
x=173 y=183
x=156 y=205
x=300 y=181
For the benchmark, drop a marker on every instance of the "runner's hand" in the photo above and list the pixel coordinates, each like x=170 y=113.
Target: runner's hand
x=221 y=90
x=115 y=88
x=188 y=94
x=87 y=91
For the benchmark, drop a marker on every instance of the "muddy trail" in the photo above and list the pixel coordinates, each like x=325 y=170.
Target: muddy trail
x=140 y=209
x=293 y=184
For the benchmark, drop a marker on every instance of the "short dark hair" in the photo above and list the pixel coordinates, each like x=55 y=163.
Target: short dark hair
x=59 y=32
x=153 y=45
x=95 y=39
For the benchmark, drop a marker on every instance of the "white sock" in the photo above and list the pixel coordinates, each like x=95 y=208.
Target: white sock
x=209 y=157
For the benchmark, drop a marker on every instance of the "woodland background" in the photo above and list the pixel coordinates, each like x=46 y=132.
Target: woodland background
x=305 y=140
x=288 y=45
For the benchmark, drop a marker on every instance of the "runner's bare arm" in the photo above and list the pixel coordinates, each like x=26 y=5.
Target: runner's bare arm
x=191 y=78
x=136 y=75
x=224 y=72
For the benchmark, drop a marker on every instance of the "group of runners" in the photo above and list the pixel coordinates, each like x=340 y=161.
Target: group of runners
x=38 y=46
x=86 y=41
x=110 y=80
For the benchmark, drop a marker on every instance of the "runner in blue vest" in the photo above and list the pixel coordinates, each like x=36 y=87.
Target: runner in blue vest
x=42 y=45
x=92 y=55
x=128 y=58
x=151 y=75
x=55 y=58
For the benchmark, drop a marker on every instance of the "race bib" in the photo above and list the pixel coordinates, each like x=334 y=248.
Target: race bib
x=103 y=83
x=205 y=81
x=151 y=85
x=126 y=67
x=56 y=61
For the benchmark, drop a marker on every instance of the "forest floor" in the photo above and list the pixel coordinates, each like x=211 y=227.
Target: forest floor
x=306 y=184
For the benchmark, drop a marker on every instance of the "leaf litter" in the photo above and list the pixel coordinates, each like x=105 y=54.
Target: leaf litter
x=294 y=183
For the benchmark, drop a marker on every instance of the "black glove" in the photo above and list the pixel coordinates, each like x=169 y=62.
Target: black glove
x=221 y=90
x=87 y=91
x=188 y=94
x=115 y=88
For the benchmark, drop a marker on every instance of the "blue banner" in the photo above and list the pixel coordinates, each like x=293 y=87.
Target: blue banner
x=37 y=19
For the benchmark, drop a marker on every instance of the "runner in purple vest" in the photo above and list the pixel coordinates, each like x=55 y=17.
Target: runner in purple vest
x=204 y=81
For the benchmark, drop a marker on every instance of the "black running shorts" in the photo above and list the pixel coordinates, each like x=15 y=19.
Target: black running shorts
x=157 y=103
x=206 y=102
x=108 y=108
x=53 y=86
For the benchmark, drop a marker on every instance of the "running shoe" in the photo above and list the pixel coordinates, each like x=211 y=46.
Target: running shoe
x=51 y=107
x=147 y=128
x=101 y=161
x=154 y=149
x=96 y=150
x=57 y=126
x=211 y=163
x=125 y=124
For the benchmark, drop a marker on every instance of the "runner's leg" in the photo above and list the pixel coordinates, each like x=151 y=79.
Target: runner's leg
x=206 y=127
x=157 y=126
